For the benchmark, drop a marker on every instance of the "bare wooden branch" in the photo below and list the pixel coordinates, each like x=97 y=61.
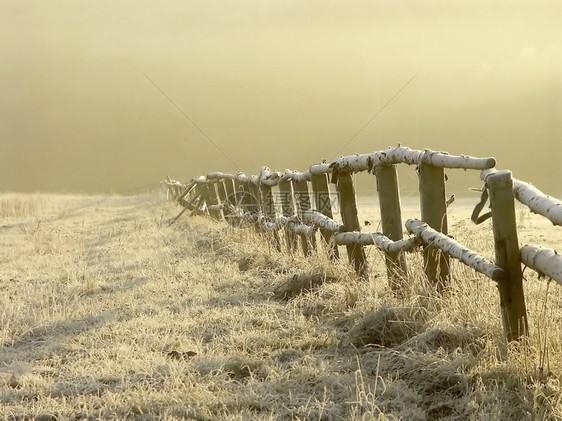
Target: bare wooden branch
x=545 y=261
x=455 y=249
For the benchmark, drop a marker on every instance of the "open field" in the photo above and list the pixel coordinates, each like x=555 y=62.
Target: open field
x=107 y=312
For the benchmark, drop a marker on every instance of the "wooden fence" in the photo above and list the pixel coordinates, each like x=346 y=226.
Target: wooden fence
x=250 y=201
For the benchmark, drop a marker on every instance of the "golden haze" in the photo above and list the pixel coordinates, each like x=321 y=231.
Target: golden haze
x=281 y=83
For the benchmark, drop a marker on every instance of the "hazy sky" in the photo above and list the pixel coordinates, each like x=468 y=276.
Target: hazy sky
x=277 y=83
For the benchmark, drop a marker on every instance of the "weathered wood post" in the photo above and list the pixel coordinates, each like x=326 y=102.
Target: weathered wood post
x=244 y=196
x=202 y=199
x=512 y=298
x=288 y=208
x=323 y=202
x=230 y=199
x=221 y=190
x=193 y=202
x=229 y=188
x=348 y=209
x=239 y=188
x=188 y=189
x=302 y=200
x=391 y=220
x=434 y=213
x=268 y=207
x=254 y=190
x=213 y=202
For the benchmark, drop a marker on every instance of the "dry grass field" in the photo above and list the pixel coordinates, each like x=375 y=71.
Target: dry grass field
x=109 y=313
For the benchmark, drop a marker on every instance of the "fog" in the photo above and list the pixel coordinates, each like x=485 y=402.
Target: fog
x=112 y=96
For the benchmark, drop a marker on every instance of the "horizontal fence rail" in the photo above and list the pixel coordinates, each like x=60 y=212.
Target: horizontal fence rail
x=307 y=206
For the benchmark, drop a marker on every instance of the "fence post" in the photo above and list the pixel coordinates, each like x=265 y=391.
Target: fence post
x=213 y=200
x=348 y=209
x=223 y=196
x=512 y=299
x=244 y=196
x=186 y=192
x=269 y=211
x=239 y=188
x=254 y=190
x=323 y=202
x=434 y=213
x=204 y=200
x=221 y=191
x=229 y=188
x=302 y=200
x=391 y=220
x=288 y=208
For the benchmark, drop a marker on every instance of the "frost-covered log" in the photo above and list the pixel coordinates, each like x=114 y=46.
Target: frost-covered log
x=275 y=225
x=318 y=169
x=268 y=177
x=538 y=202
x=187 y=189
x=375 y=239
x=455 y=249
x=353 y=238
x=242 y=219
x=173 y=183
x=293 y=223
x=301 y=229
x=315 y=169
x=200 y=180
x=241 y=177
x=296 y=176
x=543 y=260
x=215 y=176
x=386 y=244
x=405 y=155
x=321 y=221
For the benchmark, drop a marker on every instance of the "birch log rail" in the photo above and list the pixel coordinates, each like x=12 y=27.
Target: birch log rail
x=455 y=249
x=307 y=207
x=545 y=261
x=534 y=199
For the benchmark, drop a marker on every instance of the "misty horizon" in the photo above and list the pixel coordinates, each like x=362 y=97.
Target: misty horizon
x=112 y=97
